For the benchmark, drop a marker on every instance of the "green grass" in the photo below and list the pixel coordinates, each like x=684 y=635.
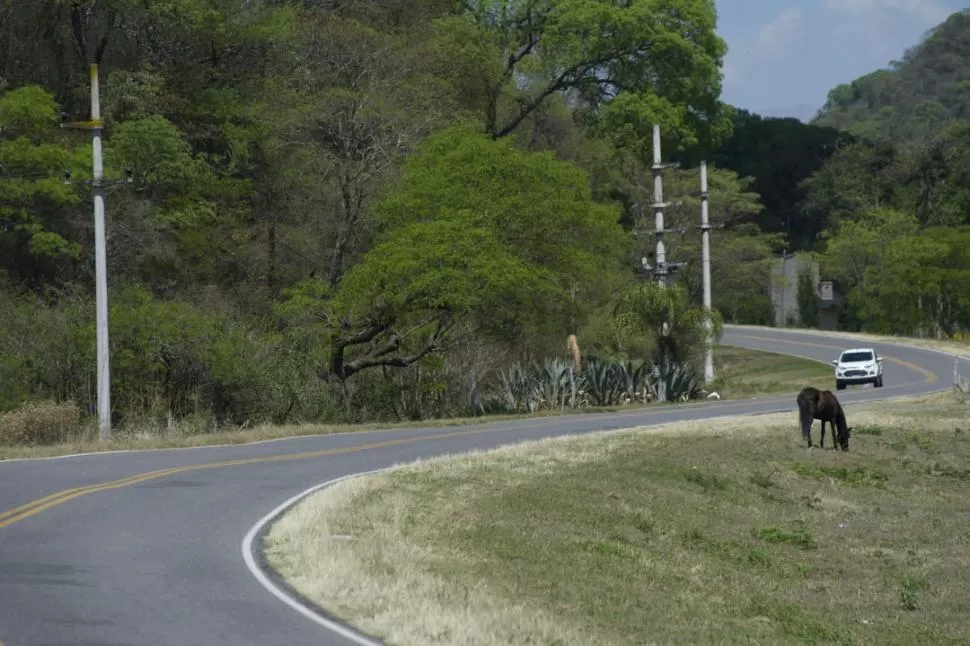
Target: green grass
x=746 y=373
x=741 y=373
x=727 y=532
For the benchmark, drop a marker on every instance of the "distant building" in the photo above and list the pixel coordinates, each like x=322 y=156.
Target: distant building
x=784 y=292
x=784 y=286
x=829 y=302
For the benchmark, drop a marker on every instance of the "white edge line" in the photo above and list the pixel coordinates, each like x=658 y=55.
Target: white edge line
x=753 y=328
x=248 y=552
x=249 y=547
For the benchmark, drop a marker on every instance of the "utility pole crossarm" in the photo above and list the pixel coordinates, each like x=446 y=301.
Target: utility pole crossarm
x=93 y=124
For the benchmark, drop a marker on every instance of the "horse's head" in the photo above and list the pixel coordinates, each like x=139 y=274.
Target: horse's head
x=844 y=438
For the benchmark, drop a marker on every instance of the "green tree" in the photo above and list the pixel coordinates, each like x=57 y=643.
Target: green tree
x=948 y=271
x=776 y=155
x=860 y=252
x=857 y=178
x=422 y=283
x=539 y=206
x=35 y=232
x=478 y=236
x=939 y=177
x=631 y=63
x=674 y=327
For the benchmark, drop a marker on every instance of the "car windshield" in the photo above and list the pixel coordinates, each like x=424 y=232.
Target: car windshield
x=852 y=357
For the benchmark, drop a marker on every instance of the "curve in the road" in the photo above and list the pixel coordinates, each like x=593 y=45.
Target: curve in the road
x=143 y=547
x=275 y=585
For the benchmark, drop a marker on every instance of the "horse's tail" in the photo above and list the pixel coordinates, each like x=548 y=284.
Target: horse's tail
x=806 y=412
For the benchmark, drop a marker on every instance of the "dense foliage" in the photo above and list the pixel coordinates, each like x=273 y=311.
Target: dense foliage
x=914 y=97
x=378 y=209
x=893 y=203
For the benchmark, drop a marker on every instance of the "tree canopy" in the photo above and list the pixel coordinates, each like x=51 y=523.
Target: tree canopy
x=373 y=209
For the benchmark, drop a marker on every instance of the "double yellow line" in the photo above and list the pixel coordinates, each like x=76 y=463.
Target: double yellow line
x=928 y=376
x=35 y=507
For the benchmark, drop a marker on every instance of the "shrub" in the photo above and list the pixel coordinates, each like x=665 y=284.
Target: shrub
x=44 y=355
x=169 y=359
x=39 y=422
x=548 y=384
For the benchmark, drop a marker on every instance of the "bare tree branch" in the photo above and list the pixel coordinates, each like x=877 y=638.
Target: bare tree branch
x=386 y=352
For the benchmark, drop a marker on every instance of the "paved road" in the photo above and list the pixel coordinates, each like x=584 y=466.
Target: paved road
x=146 y=548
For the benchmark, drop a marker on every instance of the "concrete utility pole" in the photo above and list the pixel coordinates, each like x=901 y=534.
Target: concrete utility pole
x=658 y=208
x=98 y=184
x=100 y=262
x=706 y=271
x=661 y=269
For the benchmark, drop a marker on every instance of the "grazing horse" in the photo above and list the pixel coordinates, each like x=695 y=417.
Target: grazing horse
x=818 y=404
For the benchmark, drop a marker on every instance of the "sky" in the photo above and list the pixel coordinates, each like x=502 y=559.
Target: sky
x=785 y=55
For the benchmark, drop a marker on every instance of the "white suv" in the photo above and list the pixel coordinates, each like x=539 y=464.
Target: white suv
x=858 y=366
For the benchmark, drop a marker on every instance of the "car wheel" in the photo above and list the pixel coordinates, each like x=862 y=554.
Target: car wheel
x=879 y=381
x=839 y=385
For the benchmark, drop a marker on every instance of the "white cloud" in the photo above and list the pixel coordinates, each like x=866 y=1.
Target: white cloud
x=771 y=38
x=732 y=73
x=928 y=11
x=772 y=35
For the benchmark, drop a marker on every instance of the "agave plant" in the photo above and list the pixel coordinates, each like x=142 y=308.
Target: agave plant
x=639 y=382
x=682 y=382
x=552 y=382
x=515 y=388
x=605 y=382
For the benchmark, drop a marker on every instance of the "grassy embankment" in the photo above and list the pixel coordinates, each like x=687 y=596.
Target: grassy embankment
x=717 y=531
x=742 y=373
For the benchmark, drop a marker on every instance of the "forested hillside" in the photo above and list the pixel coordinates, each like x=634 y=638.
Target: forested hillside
x=353 y=210
x=893 y=202
x=916 y=96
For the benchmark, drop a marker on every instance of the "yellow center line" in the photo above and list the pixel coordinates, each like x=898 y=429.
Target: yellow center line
x=17 y=514
x=927 y=375
x=35 y=507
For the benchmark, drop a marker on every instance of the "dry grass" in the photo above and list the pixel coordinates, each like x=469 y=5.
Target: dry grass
x=719 y=531
x=40 y=423
x=771 y=373
x=85 y=438
x=743 y=373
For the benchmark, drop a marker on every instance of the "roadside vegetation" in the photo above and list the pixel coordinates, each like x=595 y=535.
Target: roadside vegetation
x=726 y=530
x=381 y=211
x=48 y=428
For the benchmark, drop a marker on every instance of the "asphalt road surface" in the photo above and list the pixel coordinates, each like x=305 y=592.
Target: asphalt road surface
x=143 y=548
